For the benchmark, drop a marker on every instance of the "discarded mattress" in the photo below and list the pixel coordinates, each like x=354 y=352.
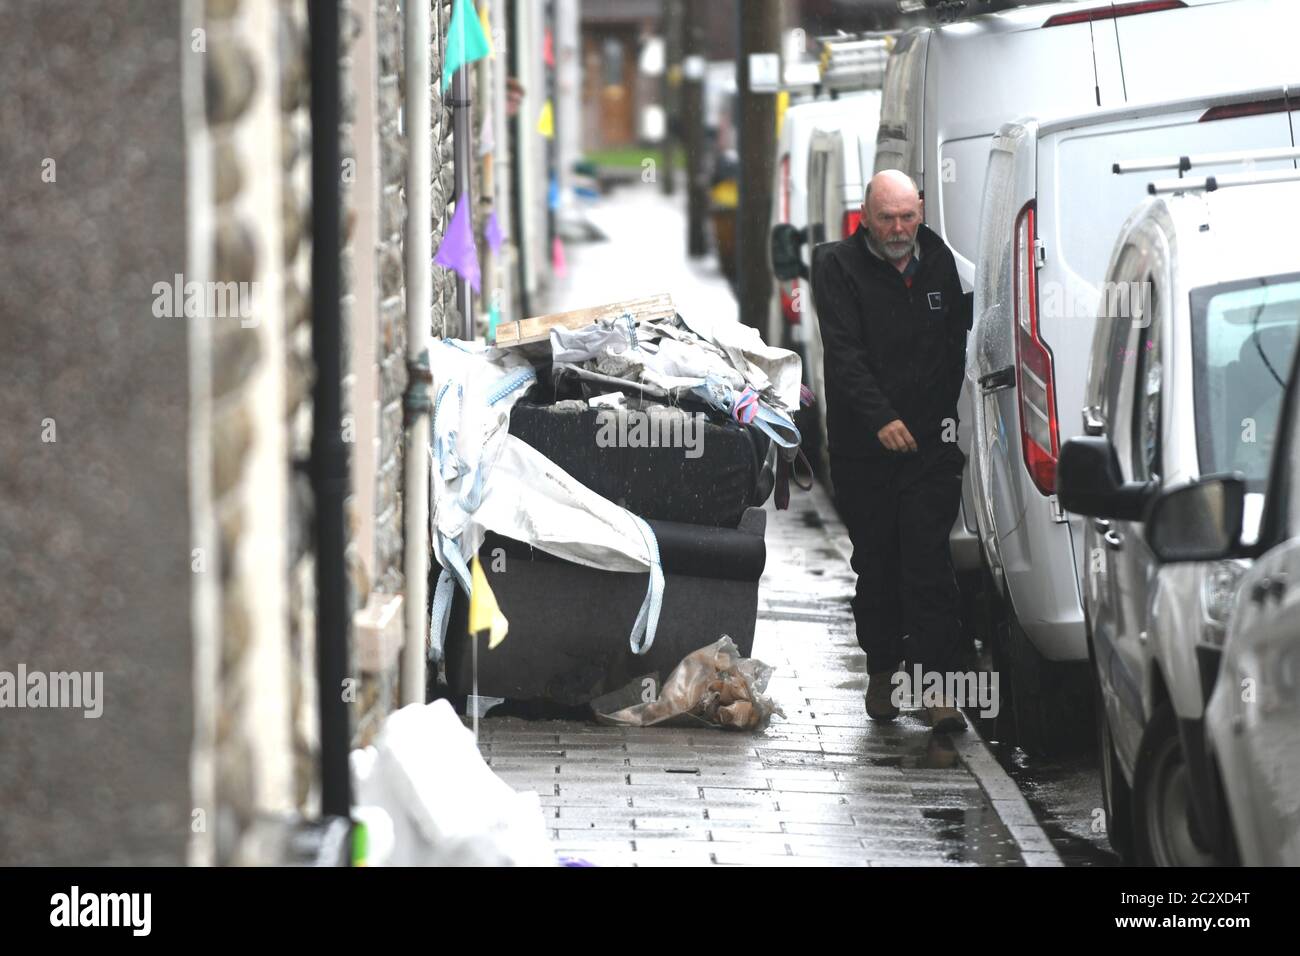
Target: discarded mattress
x=664 y=463
x=564 y=645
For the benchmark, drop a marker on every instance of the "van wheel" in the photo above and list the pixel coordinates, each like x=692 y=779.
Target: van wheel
x=1051 y=700
x=1162 y=801
x=1116 y=797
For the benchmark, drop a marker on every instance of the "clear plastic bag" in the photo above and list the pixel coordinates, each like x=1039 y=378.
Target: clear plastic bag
x=713 y=686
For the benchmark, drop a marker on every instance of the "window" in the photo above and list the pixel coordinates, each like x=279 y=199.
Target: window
x=1114 y=329
x=1243 y=339
x=960 y=212
x=1147 y=385
x=613 y=50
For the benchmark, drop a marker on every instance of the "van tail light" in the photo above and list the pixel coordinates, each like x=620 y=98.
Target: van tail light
x=1035 y=378
x=787 y=302
x=1114 y=11
x=1278 y=105
x=849 y=225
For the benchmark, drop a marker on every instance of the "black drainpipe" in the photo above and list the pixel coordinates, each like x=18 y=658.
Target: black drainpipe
x=517 y=129
x=329 y=459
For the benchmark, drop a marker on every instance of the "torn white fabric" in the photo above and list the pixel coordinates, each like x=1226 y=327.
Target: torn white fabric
x=762 y=365
x=484 y=479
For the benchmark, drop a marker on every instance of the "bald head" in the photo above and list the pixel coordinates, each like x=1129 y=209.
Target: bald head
x=891 y=213
x=891 y=185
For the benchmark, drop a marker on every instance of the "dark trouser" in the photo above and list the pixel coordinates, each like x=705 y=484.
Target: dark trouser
x=899 y=511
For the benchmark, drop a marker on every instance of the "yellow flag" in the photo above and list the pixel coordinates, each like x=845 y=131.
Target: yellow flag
x=484 y=615
x=546 y=122
x=484 y=14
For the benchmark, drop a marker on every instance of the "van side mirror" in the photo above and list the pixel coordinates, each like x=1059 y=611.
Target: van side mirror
x=1089 y=482
x=785 y=243
x=1197 y=522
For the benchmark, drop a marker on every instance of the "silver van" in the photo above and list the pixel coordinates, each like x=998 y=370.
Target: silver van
x=1193 y=343
x=1052 y=206
x=949 y=88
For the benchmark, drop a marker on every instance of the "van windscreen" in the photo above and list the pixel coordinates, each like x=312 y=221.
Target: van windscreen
x=1243 y=338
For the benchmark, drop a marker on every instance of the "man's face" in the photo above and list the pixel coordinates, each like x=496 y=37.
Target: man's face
x=892 y=217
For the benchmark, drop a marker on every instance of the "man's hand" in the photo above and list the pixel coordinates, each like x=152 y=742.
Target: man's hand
x=896 y=437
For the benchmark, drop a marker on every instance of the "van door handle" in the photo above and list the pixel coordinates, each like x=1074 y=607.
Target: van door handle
x=1273 y=586
x=1260 y=590
x=999 y=380
x=1277 y=587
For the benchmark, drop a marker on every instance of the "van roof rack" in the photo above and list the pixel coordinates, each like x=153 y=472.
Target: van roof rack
x=1186 y=163
x=855 y=61
x=1211 y=183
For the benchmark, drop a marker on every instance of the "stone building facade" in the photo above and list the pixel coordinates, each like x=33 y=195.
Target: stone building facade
x=162 y=534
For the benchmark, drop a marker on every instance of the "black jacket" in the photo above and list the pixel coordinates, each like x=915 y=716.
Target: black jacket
x=889 y=351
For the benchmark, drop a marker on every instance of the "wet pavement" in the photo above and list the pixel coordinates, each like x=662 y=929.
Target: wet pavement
x=1065 y=796
x=826 y=786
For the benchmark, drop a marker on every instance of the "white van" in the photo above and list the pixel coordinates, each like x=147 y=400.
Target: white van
x=1053 y=203
x=840 y=155
x=790 y=200
x=950 y=88
x=838 y=139
x=1194 y=337
x=947 y=90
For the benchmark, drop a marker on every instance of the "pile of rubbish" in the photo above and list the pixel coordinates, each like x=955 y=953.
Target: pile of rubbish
x=714 y=686
x=608 y=470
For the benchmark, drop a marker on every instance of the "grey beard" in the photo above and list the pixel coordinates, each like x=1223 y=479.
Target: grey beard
x=891 y=250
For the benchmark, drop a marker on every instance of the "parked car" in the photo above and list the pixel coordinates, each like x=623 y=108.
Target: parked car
x=1252 y=752
x=1252 y=757
x=1186 y=378
x=1052 y=207
x=947 y=92
x=1249 y=777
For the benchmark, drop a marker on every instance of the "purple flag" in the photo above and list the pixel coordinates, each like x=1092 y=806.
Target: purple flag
x=492 y=233
x=456 y=251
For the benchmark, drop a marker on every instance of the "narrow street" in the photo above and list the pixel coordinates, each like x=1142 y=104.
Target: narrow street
x=825 y=786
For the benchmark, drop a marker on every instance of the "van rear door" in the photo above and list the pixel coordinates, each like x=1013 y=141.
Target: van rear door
x=1208 y=48
x=1082 y=205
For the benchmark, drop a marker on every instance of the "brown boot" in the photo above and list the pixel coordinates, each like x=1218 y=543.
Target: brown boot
x=945 y=720
x=879 y=696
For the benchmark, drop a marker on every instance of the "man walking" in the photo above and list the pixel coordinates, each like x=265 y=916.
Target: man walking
x=893 y=322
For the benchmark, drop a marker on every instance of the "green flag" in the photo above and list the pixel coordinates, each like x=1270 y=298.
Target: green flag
x=465 y=40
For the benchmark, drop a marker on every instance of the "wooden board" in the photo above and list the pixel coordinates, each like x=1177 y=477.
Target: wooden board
x=538 y=328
